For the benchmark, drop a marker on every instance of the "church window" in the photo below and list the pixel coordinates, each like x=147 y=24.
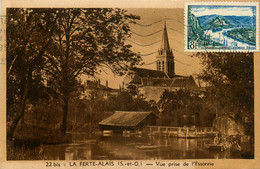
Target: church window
x=172 y=67
x=159 y=65
x=162 y=65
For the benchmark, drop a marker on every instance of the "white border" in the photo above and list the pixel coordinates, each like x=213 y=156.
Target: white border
x=186 y=4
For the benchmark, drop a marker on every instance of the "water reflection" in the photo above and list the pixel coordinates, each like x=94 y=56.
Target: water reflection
x=132 y=148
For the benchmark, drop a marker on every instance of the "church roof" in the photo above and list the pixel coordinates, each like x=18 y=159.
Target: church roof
x=181 y=81
x=141 y=72
x=157 y=82
x=148 y=77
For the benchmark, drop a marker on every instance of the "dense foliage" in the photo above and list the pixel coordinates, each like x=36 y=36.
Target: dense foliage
x=230 y=77
x=49 y=49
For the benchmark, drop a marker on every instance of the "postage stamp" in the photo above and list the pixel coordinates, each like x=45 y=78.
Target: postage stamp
x=221 y=26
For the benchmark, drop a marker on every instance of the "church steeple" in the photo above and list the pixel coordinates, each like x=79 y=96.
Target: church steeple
x=165 y=42
x=165 y=58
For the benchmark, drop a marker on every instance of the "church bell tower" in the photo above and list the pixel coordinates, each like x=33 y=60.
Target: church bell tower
x=165 y=58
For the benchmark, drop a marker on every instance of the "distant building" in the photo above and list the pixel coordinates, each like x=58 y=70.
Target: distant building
x=128 y=120
x=97 y=90
x=151 y=83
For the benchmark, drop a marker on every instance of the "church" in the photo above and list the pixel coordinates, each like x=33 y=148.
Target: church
x=152 y=83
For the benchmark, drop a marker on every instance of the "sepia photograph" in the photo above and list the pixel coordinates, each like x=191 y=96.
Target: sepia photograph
x=117 y=83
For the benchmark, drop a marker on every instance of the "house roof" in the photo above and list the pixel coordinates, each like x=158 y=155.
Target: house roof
x=125 y=118
x=136 y=80
x=96 y=85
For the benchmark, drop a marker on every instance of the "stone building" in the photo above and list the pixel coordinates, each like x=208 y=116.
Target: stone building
x=93 y=89
x=151 y=83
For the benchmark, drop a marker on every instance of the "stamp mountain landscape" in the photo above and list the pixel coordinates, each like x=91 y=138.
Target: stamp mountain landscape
x=222 y=28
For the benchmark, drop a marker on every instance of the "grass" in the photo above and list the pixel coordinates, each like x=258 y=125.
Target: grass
x=27 y=140
x=23 y=152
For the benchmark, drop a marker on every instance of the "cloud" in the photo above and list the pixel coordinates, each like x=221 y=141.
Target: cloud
x=222 y=10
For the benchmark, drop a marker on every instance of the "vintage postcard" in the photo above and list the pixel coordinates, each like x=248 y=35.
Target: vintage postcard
x=222 y=26
x=118 y=85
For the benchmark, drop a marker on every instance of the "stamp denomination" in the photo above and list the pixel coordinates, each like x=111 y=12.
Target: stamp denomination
x=221 y=27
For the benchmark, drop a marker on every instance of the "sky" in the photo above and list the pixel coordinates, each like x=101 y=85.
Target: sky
x=184 y=64
x=198 y=10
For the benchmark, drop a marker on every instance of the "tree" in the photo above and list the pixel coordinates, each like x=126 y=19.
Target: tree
x=175 y=105
x=84 y=41
x=125 y=101
x=230 y=78
x=28 y=36
x=52 y=48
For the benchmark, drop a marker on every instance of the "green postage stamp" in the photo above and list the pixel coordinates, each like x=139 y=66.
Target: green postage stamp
x=221 y=26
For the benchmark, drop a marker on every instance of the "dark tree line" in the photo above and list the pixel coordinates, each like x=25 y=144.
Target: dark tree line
x=228 y=89
x=231 y=80
x=91 y=110
x=49 y=49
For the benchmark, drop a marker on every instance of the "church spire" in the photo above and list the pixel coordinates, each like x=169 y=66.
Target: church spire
x=165 y=58
x=165 y=42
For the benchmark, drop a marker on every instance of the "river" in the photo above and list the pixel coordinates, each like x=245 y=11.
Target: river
x=118 y=147
x=220 y=37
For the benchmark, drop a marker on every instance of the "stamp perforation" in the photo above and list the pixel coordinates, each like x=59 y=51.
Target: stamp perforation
x=249 y=48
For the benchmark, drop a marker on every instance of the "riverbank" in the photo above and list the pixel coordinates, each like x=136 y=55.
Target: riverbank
x=242 y=35
x=23 y=152
x=229 y=40
x=27 y=140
